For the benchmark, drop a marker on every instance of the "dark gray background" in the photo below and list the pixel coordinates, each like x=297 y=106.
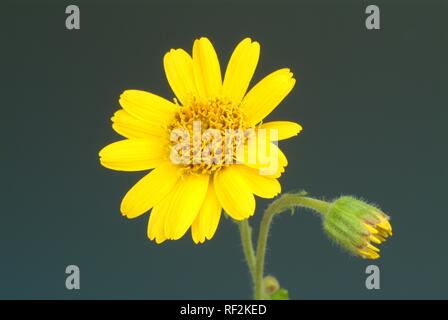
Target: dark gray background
x=373 y=105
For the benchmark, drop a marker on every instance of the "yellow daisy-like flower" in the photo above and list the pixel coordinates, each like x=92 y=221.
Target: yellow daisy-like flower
x=193 y=192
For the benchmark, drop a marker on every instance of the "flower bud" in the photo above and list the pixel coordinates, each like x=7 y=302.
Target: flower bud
x=355 y=225
x=271 y=284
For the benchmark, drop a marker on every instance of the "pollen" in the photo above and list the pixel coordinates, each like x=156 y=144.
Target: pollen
x=206 y=135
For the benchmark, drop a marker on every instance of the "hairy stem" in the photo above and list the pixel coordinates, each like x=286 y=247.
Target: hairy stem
x=248 y=248
x=285 y=202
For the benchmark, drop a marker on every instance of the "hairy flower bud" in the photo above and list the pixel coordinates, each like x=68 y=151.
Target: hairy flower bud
x=355 y=225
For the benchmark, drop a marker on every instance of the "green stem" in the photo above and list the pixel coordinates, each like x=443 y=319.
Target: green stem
x=248 y=248
x=285 y=202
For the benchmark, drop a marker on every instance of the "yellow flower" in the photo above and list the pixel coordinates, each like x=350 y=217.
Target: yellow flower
x=190 y=187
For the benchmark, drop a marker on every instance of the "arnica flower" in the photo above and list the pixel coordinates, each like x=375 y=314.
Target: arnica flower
x=357 y=226
x=190 y=186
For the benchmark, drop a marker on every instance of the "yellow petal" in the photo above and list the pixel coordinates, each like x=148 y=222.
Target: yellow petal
x=240 y=70
x=156 y=224
x=380 y=237
x=147 y=106
x=206 y=223
x=150 y=190
x=179 y=72
x=374 y=239
x=383 y=233
x=259 y=153
x=261 y=186
x=371 y=229
x=133 y=154
x=131 y=127
x=187 y=198
x=267 y=94
x=385 y=225
x=234 y=194
x=372 y=247
x=369 y=254
x=285 y=129
x=207 y=72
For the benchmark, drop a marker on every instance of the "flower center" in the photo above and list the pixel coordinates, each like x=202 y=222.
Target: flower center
x=205 y=136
